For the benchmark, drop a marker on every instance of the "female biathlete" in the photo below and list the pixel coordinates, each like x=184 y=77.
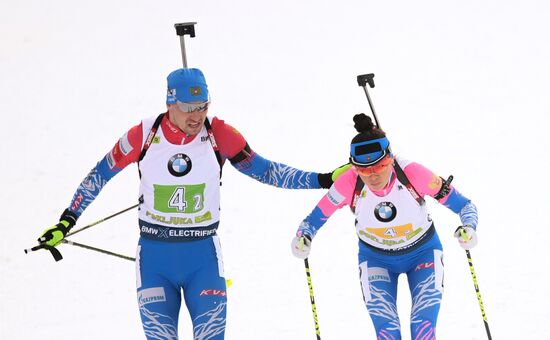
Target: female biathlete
x=396 y=233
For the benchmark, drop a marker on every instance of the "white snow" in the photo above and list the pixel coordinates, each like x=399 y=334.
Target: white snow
x=461 y=87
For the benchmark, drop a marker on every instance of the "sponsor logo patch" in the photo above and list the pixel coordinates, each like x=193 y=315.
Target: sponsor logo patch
x=212 y=292
x=404 y=230
x=385 y=211
x=151 y=295
x=125 y=146
x=179 y=165
x=378 y=274
x=195 y=90
x=435 y=183
x=171 y=93
x=110 y=160
x=212 y=139
x=424 y=266
x=334 y=196
x=77 y=201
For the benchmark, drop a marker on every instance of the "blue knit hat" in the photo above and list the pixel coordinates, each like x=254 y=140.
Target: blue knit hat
x=186 y=85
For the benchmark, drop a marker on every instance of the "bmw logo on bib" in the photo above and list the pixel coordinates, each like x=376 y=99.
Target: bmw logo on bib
x=385 y=211
x=179 y=165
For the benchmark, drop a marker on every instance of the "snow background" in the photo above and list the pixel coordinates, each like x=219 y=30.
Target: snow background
x=461 y=87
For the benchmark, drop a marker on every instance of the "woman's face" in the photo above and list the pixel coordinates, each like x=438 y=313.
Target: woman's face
x=376 y=177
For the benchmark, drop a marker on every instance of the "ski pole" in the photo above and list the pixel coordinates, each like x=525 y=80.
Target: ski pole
x=99 y=250
x=312 y=299
x=363 y=80
x=183 y=29
x=464 y=235
x=103 y=219
x=57 y=254
x=228 y=281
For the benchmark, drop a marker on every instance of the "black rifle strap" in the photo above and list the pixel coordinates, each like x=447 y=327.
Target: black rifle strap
x=155 y=128
x=400 y=176
x=214 y=144
x=356 y=193
x=405 y=181
x=149 y=139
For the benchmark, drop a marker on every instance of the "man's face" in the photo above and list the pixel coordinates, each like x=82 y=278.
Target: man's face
x=189 y=122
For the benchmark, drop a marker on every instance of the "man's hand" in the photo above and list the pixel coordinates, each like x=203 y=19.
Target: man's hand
x=326 y=180
x=53 y=235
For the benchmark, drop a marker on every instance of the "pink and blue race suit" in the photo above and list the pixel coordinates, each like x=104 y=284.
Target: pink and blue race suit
x=396 y=235
x=179 y=214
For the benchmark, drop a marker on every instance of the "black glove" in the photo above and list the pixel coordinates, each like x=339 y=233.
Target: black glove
x=326 y=180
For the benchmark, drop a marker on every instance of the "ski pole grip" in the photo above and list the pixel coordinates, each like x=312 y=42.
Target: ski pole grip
x=185 y=28
x=463 y=234
x=365 y=79
x=55 y=253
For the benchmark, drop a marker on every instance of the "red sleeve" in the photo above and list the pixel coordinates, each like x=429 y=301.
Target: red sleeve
x=229 y=140
x=127 y=149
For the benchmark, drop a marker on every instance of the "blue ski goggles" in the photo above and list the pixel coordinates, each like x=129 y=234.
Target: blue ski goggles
x=369 y=152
